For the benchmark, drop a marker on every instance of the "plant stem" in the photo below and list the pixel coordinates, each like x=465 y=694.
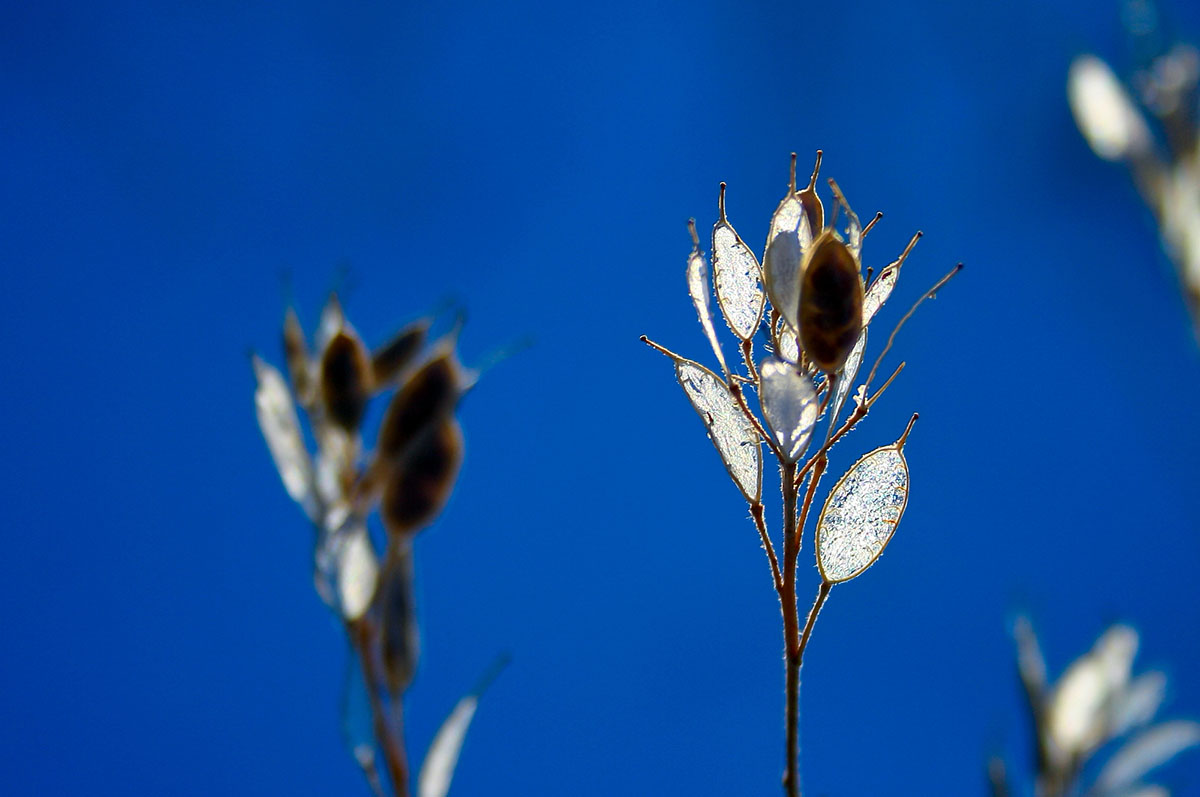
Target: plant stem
x=389 y=735
x=791 y=628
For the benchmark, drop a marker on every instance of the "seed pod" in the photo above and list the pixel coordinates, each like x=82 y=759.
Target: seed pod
x=345 y=379
x=419 y=486
x=390 y=359
x=295 y=352
x=401 y=640
x=831 y=302
x=813 y=208
x=429 y=395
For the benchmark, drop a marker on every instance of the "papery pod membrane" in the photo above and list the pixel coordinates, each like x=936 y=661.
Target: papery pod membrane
x=782 y=264
x=337 y=455
x=698 y=287
x=331 y=322
x=789 y=347
x=1078 y=718
x=1138 y=704
x=735 y=438
x=281 y=429
x=389 y=360
x=861 y=513
x=357 y=570
x=397 y=600
x=1148 y=750
x=1104 y=111
x=830 y=303
x=428 y=396
x=845 y=379
x=736 y=275
x=854 y=230
x=437 y=770
x=420 y=485
x=879 y=291
x=345 y=380
x=789 y=404
x=814 y=210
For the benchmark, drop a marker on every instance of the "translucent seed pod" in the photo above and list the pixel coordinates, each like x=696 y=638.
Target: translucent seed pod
x=831 y=302
x=789 y=404
x=357 y=570
x=420 y=485
x=789 y=236
x=736 y=275
x=700 y=289
x=281 y=429
x=389 y=360
x=397 y=603
x=862 y=512
x=813 y=209
x=845 y=379
x=345 y=379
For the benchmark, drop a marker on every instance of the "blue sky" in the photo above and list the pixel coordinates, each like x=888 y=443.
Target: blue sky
x=166 y=163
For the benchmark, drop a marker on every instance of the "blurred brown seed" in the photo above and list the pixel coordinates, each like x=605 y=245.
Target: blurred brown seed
x=831 y=302
x=427 y=396
x=419 y=487
x=397 y=604
x=345 y=380
x=390 y=359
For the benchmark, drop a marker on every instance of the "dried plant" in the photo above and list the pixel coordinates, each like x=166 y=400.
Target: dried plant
x=1095 y=702
x=1166 y=168
x=812 y=304
x=408 y=477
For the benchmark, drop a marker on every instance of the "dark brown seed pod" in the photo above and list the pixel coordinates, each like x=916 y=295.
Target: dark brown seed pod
x=345 y=379
x=397 y=603
x=390 y=359
x=831 y=302
x=418 y=488
x=429 y=395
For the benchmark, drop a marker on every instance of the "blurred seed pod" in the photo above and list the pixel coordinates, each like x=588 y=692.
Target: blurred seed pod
x=831 y=302
x=345 y=379
x=295 y=352
x=397 y=603
x=419 y=486
x=389 y=360
x=430 y=394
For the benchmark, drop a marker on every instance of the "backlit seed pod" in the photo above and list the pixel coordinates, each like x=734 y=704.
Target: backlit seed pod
x=390 y=359
x=813 y=208
x=427 y=396
x=831 y=302
x=345 y=379
x=420 y=485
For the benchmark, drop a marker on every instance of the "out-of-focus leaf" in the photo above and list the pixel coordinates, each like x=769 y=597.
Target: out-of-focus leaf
x=736 y=274
x=357 y=570
x=845 y=379
x=861 y=514
x=1106 y=115
x=1138 y=704
x=1149 y=749
x=698 y=287
x=438 y=768
x=735 y=438
x=790 y=406
x=401 y=638
x=281 y=429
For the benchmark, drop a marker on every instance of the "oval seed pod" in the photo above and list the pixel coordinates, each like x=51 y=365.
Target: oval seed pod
x=357 y=569
x=427 y=396
x=790 y=406
x=813 y=209
x=419 y=486
x=736 y=274
x=735 y=438
x=401 y=640
x=390 y=359
x=789 y=236
x=295 y=353
x=699 y=287
x=345 y=379
x=862 y=512
x=831 y=302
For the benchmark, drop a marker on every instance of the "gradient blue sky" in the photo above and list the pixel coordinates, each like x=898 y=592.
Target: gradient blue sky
x=164 y=164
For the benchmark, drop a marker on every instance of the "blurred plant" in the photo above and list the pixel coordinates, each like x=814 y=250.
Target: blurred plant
x=408 y=478
x=820 y=310
x=1165 y=168
x=1094 y=702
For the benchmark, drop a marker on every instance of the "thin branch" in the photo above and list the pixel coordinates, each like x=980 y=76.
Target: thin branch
x=892 y=338
x=756 y=511
x=389 y=735
x=822 y=594
x=791 y=631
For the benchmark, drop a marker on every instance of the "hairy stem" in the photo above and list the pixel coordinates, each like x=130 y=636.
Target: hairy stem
x=791 y=629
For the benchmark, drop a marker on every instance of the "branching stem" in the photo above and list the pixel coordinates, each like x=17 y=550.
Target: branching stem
x=389 y=735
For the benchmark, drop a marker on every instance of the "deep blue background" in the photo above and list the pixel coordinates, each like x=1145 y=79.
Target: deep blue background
x=162 y=166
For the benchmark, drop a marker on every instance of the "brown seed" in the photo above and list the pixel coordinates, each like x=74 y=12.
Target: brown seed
x=427 y=396
x=345 y=380
x=831 y=302
x=419 y=487
x=390 y=359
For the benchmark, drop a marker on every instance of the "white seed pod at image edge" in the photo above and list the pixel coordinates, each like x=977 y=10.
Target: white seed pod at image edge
x=862 y=512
